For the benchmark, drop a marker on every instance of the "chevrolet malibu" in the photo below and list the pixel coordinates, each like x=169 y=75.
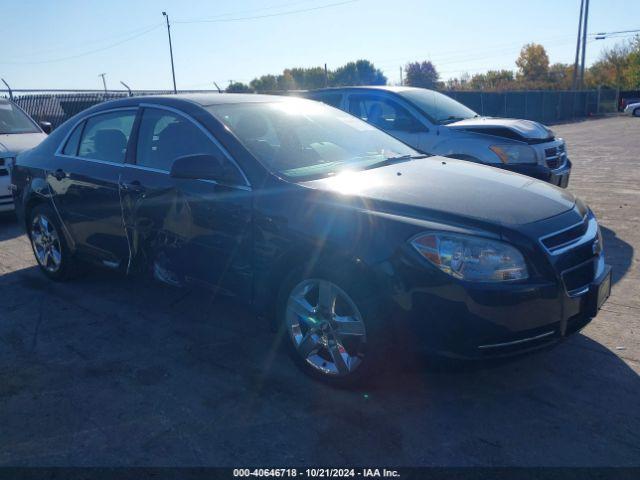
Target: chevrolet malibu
x=351 y=241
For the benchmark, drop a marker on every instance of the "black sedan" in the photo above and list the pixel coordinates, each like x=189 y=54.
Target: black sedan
x=349 y=239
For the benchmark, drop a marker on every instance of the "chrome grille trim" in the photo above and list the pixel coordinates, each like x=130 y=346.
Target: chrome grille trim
x=516 y=342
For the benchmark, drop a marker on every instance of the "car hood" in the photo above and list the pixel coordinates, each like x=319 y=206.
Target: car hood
x=524 y=130
x=15 y=143
x=438 y=188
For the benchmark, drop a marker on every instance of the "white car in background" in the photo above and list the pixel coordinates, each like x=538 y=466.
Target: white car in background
x=633 y=109
x=18 y=132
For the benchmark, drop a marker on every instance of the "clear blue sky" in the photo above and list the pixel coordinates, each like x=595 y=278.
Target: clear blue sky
x=46 y=44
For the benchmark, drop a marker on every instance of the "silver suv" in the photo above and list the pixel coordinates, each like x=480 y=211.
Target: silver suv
x=435 y=123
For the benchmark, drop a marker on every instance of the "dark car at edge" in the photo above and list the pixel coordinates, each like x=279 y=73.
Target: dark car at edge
x=348 y=239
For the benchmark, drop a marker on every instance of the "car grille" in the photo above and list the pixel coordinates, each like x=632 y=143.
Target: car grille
x=573 y=254
x=578 y=278
x=563 y=238
x=555 y=156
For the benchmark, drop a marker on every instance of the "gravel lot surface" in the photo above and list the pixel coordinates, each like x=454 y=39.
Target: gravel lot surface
x=109 y=370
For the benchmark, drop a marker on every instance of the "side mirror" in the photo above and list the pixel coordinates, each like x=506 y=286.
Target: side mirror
x=45 y=126
x=203 y=167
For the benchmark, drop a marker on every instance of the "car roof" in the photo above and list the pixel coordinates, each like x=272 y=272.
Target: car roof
x=387 y=88
x=208 y=99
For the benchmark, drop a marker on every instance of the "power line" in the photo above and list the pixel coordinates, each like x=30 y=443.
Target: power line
x=268 y=15
x=87 y=43
x=614 y=33
x=252 y=10
x=89 y=52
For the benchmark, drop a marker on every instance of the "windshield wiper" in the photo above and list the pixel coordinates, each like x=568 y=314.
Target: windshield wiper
x=450 y=119
x=398 y=159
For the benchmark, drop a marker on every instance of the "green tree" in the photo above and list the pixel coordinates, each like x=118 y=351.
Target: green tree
x=286 y=82
x=265 y=83
x=238 y=87
x=362 y=72
x=421 y=74
x=533 y=63
x=308 y=78
x=632 y=71
x=560 y=76
x=492 y=80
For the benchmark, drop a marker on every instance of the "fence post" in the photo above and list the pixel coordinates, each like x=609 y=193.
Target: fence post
x=8 y=88
x=598 y=100
x=481 y=104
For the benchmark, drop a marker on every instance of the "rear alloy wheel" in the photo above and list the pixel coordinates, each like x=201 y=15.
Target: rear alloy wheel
x=46 y=243
x=49 y=245
x=636 y=112
x=326 y=329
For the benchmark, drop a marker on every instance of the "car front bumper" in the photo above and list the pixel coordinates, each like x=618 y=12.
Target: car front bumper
x=558 y=177
x=435 y=312
x=6 y=197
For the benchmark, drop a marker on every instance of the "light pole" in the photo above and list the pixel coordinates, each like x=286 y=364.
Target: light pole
x=584 y=42
x=576 y=64
x=173 y=71
x=104 y=82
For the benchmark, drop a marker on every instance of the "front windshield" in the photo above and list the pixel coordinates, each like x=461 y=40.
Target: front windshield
x=14 y=120
x=301 y=139
x=440 y=108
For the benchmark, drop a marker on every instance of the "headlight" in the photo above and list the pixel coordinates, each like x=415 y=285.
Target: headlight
x=470 y=258
x=514 y=154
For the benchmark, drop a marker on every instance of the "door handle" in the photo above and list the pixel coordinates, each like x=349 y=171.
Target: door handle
x=59 y=174
x=133 y=187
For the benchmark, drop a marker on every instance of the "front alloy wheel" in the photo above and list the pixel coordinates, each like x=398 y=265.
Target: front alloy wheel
x=46 y=243
x=326 y=328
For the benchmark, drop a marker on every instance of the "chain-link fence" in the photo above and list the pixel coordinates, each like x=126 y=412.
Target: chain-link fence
x=57 y=106
x=549 y=106
x=546 y=106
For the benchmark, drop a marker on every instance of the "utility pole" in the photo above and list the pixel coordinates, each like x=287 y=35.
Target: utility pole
x=104 y=82
x=401 y=82
x=326 y=76
x=584 y=42
x=574 y=83
x=173 y=71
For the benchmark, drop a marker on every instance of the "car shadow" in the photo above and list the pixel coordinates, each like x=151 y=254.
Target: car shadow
x=9 y=227
x=115 y=370
x=619 y=254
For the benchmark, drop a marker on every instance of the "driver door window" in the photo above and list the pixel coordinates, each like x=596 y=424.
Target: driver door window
x=384 y=113
x=165 y=136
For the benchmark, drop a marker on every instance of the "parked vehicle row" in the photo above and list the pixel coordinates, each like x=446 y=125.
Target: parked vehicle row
x=18 y=132
x=437 y=124
x=349 y=239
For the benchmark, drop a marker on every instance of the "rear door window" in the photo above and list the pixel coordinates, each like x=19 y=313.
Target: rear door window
x=106 y=135
x=71 y=147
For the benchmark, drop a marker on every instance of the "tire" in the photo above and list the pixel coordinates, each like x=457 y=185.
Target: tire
x=636 y=112
x=49 y=245
x=339 y=341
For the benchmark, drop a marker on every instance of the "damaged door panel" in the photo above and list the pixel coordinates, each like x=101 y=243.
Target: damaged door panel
x=184 y=229
x=84 y=183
